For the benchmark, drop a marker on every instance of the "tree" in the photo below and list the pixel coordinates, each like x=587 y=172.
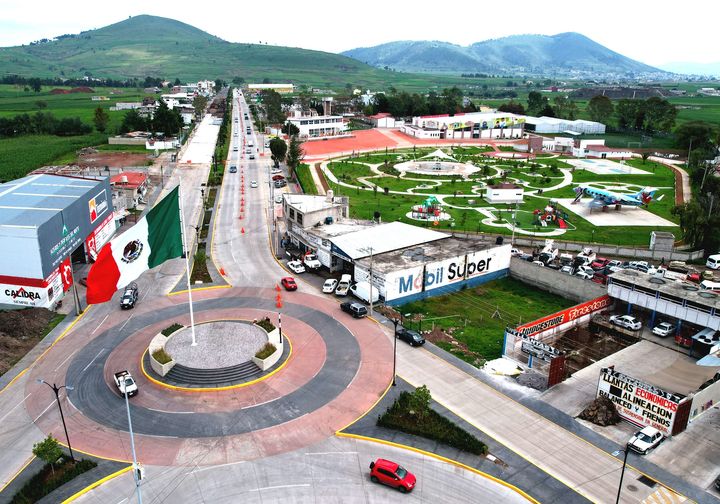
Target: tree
x=698 y=222
x=71 y=126
x=273 y=106
x=101 y=119
x=659 y=115
x=600 y=108
x=35 y=84
x=278 y=148
x=133 y=121
x=177 y=81
x=165 y=120
x=219 y=84
x=290 y=129
x=536 y=103
x=419 y=401
x=629 y=114
x=698 y=134
x=295 y=154
x=238 y=81
x=41 y=104
x=565 y=108
x=513 y=107
x=199 y=104
x=48 y=451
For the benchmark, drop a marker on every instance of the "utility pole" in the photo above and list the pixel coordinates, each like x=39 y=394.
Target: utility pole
x=57 y=389
x=136 y=470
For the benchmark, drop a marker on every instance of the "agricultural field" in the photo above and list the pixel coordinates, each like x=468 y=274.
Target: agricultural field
x=20 y=155
x=374 y=185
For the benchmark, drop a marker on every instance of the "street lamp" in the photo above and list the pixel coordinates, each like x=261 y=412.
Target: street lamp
x=56 y=389
x=622 y=473
x=395 y=338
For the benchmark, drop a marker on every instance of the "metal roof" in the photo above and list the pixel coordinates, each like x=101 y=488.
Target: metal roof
x=384 y=238
x=33 y=200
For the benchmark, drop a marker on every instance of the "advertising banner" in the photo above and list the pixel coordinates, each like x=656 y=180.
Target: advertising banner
x=100 y=236
x=564 y=316
x=98 y=206
x=639 y=402
x=442 y=273
x=65 y=271
x=39 y=297
x=403 y=283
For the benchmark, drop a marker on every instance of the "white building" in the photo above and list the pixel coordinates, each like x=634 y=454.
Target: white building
x=279 y=88
x=318 y=126
x=504 y=193
x=472 y=125
x=554 y=125
x=596 y=148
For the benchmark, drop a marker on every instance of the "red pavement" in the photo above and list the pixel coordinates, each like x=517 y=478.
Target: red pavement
x=86 y=435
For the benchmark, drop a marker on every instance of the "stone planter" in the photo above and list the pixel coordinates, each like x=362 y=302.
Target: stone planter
x=270 y=361
x=159 y=342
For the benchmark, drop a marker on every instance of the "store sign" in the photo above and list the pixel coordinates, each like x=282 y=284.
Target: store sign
x=639 y=402
x=23 y=295
x=538 y=349
x=66 y=276
x=97 y=206
x=564 y=316
x=100 y=236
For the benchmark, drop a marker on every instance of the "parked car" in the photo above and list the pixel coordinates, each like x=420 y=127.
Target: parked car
x=642 y=266
x=565 y=259
x=515 y=252
x=233 y=169
x=392 y=474
x=663 y=329
x=412 y=338
x=296 y=267
x=329 y=286
x=363 y=290
x=278 y=198
x=129 y=297
x=645 y=440
x=280 y=183
x=289 y=283
x=585 y=272
x=626 y=321
x=357 y=310
x=275 y=171
x=539 y=263
x=568 y=270
x=278 y=177
x=343 y=286
x=526 y=257
x=599 y=263
x=713 y=261
x=311 y=261
x=600 y=276
x=614 y=263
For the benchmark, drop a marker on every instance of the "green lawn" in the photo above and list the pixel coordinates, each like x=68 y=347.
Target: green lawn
x=471 y=313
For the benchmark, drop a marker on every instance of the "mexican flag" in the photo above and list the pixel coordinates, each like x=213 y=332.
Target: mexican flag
x=152 y=241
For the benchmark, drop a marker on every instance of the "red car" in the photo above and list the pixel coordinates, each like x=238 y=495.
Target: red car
x=289 y=283
x=391 y=474
x=599 y=263
x=277 y=177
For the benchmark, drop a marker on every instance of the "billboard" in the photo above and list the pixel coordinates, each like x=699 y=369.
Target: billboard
x=639 y=402
x=42 y=296
x=563 y=317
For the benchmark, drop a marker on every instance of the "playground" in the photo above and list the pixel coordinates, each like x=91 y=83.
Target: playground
x=447 y=186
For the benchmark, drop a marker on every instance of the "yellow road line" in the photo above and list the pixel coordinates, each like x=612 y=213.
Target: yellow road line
x=18 y=472
x=97 y=484
x=198 y=289
x=368 y=410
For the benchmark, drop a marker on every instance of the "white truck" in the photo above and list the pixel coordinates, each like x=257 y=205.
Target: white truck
x=311 y=261
x=587 y=255
x=125 y=383
x=362 y=290
x=343 y=286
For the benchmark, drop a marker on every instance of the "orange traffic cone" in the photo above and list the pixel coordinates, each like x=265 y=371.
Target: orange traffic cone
x=277 y=288
x=278 y=304
x=242 y=230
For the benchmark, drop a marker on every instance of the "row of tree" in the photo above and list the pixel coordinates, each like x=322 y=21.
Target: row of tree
x=42 y=123
x=404 y=104
x=164 y=120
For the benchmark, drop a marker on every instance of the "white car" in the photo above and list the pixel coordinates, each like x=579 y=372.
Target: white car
x=568 y=270
x=539 y=263
x=627 y=321
x=278 y=198
x=296 y=267
x=329 y=286
x=311 y=261
x=253 y=184
x=645 y=440
x=515 y=252
x=663 y=329
x=585 y=272
x=275 y=171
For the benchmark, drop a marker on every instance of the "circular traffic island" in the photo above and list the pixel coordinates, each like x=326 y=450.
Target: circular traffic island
x=226 y=353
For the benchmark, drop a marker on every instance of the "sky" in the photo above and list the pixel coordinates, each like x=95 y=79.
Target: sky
x=653 y=32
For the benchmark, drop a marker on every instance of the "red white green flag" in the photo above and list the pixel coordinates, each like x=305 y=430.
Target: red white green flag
x=155 y=238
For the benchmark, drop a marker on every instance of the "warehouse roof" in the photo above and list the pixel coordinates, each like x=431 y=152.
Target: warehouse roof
x=383 y=238
x=33 y=200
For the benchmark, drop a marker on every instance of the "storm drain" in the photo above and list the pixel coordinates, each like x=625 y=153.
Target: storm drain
x=647 y=481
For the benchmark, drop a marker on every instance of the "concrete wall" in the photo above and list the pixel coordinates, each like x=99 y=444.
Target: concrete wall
x=705 y=399
x=553 y=281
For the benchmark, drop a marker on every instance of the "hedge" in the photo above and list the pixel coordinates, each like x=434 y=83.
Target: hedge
x=41 y=485
x=169 y=330
x=266 y=351
x=266 y=324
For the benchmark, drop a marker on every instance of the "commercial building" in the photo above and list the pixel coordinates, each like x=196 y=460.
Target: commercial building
x=405 y=262
x=545 y=125
x=47 y=222
x=466 y=126
x=278 y=88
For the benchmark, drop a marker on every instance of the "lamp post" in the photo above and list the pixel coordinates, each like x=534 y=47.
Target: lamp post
x=395 y=338
x=370 y=250
x=56 y=389
x=622 y=473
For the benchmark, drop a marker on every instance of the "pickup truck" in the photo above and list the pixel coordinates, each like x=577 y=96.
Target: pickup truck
x=124 y=382
x=311 y=261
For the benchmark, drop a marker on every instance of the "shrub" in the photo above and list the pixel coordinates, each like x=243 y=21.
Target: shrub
x=411 y=413
x=41 y=485
x=266 y=351
x=161 y=356
x=266 y=324
x=169 y=330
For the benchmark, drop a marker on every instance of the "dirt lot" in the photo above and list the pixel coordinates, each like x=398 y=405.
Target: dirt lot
x=20 y=331
x=113 y=159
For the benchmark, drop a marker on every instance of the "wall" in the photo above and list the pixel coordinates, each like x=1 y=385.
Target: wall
x=705 y=399
x=553 y=281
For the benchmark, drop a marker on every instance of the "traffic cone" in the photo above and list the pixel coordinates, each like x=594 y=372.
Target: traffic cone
x=242 y=230
x=277 y=288
x=279 y=303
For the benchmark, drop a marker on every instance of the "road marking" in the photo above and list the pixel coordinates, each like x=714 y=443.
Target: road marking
x=13 y=408
x=43 y=412
x=259 y=404
x=332 y=453
x=173 y=412
x=197 y=470
x=101 y=323
x=283 y=486
x=128 y=320
x=90 y=363
x=66 y=359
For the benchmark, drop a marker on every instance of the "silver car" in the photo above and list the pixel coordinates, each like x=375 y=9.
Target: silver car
x=626 y=321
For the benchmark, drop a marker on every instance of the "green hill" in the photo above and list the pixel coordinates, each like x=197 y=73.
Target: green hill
x=153 y=46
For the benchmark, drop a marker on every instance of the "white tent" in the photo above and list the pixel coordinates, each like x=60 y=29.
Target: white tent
x=438 y=155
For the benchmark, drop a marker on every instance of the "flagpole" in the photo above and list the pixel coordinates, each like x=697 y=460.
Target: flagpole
x=187 y=266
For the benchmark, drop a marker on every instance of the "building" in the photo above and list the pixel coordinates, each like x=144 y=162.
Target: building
x=318 y=126
x=383 y=120
x=405 y=262
x=545 y=125
x=278 y=88
x=128 y=189
x=597 y=149
x=49 y=221
x=474 y=125
x=504 y=193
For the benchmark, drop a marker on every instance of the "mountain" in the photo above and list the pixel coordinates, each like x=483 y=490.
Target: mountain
x=154 y=46
x=690 y=68
x=562 y=54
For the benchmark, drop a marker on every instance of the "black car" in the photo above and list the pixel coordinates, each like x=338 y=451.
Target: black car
x=233 y=169
x=129 y=297
x=280 y=183
x=413 y=338
x=357 y=310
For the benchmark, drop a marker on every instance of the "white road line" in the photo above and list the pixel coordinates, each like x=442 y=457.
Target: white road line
x=332 y=453
x=197 y=470
x=90 y=363
x=13 y=408
x=43 y=411
x=128 y=320
x=99 y=325
x=66 y=359
x=259 y=404
x=175 y=412
x=283 y=486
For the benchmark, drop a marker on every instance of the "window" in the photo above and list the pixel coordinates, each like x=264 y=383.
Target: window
x=696 y=306
x=671 y=298
x=292 y=214
x=299 y=218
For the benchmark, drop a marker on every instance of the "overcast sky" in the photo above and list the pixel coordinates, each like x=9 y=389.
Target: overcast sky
x=653 y=32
